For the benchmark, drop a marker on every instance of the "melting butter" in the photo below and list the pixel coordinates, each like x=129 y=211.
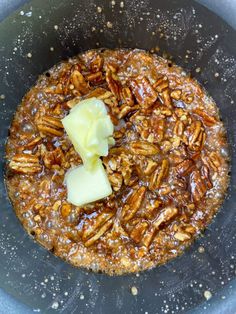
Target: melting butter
x=90 y=130
x=85 y=186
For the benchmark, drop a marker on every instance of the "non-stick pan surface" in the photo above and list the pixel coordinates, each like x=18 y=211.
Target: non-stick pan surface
x=41 y=34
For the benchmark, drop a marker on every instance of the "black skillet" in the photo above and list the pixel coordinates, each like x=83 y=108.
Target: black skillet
x=42 y=33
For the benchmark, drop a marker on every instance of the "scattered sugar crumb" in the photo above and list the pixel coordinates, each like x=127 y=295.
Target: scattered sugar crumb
x=56 y=27
x=2 y=96
x=201 y=249
x=81 y=297
x=122 y=4
x=29 y=55
x=134 y=290
x=113 y=2
x=216 y=74
x=109 y=24
x=22 y=12
x=99 y=9
x=207 y=294
x=55 y=305
x=51 y=48
x=198 y=70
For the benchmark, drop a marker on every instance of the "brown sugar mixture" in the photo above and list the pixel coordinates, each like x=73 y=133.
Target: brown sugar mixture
x=168 y=168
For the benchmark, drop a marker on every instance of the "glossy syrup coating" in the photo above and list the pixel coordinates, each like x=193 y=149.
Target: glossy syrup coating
x=168 y=168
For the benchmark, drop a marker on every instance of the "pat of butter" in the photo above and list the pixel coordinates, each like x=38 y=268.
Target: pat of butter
x=90 y=129
x=86 y=186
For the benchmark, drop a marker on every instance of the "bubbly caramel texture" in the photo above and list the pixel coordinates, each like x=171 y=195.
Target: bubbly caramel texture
x=168 y=168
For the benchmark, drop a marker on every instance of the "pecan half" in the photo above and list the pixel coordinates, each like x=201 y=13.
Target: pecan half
x=162 y=87
x=206 y=176
x=158 y=126
x=148 y=236
x=215 y=159
x=143 y=91
x=95 y=228
x=138 y=231
x=158 y=175
x=150 y=167
x=25 y=163
x=127 y=111
x=161 y=84
x=197 y=136
x=163 y=217
x=143 y=148
x=212 y=160
x=182 y=236
x=99 y=92
x=50 y=126
x=107 y=225
x=34 y=142
x=105 y=95
x=185 y=167
x=206 y=119
x=165 y=96
x=113 y=83
x=179 y=128
x=116 y=180
x=134 y=203
x=78 y=80
x=127 y=96
x=95 y=78
x=198 y=186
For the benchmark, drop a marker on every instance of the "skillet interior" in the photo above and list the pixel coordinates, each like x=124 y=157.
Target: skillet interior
x=180 y=284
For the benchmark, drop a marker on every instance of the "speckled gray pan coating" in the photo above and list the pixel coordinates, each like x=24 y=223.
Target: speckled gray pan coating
x=30 y=44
